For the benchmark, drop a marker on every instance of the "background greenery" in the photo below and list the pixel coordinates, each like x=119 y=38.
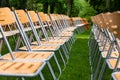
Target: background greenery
x=82 y=8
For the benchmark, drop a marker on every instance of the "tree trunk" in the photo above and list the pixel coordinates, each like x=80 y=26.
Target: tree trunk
x=69 y=7
x=45 y=7
x=52 y=7
x=108 y=2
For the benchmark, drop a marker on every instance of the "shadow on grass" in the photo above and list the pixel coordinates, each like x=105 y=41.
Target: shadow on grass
x=78 y=67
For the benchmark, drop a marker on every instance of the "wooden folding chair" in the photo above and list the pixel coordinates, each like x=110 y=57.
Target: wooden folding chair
x=112 y=63
x=65 y=26
x=94 y=44
x=33 y=17
x=105 y=43
x=97 y=38
x=56 y=29
x=66 y=23
x=55 y=38
x=77 y=22
x=48 y=55
x=12 y=66
x=51 y=41
x=56 y=26
x=20 y=15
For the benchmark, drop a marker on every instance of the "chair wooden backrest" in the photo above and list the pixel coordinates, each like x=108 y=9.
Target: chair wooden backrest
x=33 y=16
x=101 y=21
x=47 y=18
x=6 y=18
x=114 y=20
x=92 y=19
x=7 y=22
x=106 y=19
x=96 y=18
x=53 y=17
x=25 y=19
x=42 y=16
x=22 y=16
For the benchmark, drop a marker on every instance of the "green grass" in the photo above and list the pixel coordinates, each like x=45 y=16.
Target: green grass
x=78 y=67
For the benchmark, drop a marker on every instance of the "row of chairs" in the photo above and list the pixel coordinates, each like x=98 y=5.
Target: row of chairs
x=35 y=40
x=104 y=46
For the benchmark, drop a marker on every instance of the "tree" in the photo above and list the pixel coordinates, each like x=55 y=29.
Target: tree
x=4 y=3
x=108 y=2
x=61 y=7
x=116 y=5
x=69 y=7
x=19 y=4
x=105 y=5
x=52 y=7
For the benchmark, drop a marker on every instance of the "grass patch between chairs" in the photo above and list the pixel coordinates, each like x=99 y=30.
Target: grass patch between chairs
x=78 y=67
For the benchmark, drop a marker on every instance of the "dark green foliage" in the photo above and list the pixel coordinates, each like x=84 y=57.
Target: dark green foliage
x=4 y=3
x=116 y=5
x=69 y=7
x=19 y=4
x=105 y=5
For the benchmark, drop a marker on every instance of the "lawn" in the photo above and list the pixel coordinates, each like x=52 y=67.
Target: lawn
x=78 y=67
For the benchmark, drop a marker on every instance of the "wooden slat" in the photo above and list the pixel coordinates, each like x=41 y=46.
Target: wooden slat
x=112 y=62
x=113 y=54
x=50 y=42
x=28 y=55
x=42 y=16
x=33 y=16
x=20 y=67
x=22 y=16
x=117 y=76
x=6 y=17
x=40 y=48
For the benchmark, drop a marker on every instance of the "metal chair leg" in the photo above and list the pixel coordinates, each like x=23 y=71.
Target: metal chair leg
x=58 y=64
x=41 y=76
x=51 y=70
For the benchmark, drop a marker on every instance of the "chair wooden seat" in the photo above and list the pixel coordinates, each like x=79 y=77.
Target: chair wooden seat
x=101 y=44
x=116 y=75
x=50 y=42
x=41 y=48
x=80 y=25
x=106 y=48
x=70 y=29
x=114 y=54
x=11 y=68
x=28 y=55
x=112 y=63
x=56 y=39
x=68 y=34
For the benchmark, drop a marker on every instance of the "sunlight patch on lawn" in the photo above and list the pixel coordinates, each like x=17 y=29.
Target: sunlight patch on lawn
x=83 y=36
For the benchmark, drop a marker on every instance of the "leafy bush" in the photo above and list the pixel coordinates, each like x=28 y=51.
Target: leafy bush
x=83 y=9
